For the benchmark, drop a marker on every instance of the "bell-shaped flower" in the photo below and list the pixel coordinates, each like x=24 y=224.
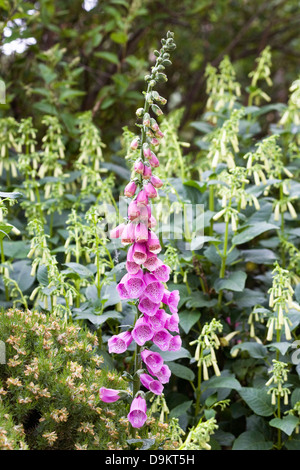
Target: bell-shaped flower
x=162 y=273
x=142 y=332
x=172 y=322
x=142 y=198
x=137 y=415
x=131 y=266
x=117 y=231
x=133 y=211
x=130 y=189
x=147 y=307
x=139 y=167
x=119 y=343
x=147 y=172
x=171 y=299
x=134 y=284
x=175 y=343
x=158 y=321
x=154 y=289
x=108 y=395
x=162 y=339
x=150 y=190
x=153 y=243
x=141 y=232
x=151 y=384
x=153 y=360
x=163 y=374
x=152 y=262
x=139 y=253
x=128 y=234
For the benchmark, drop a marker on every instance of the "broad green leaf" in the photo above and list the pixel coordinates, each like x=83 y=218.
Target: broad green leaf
x=21 y=272
x=259 y=256
x=13 y=195
x=252 y=231
x=119 y=37
x=258 y=400
x=249 y=298
x=281 y=347
x=222 y=382
x=17 y=249
x=79 y=269
x=97 y=320
x=172 y=355
x=235 y=282
x=42 y=275
x=187 y=319
x=287 y=424
x=146 y=443
x=252 y=440
x=256 y=350
x=199 y=300
x=181 y=371
x=180 y=409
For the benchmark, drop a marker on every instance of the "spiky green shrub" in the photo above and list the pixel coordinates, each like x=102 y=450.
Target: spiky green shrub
x=49 y=388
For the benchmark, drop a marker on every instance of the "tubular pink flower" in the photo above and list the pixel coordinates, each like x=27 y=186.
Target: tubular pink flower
x=139 y=167
x=121 y=288
x=117 y=231
x=147 y=172
x=172 y=322
x=142 y=198
x=171 y=299
x=162 y=273
x=157 y=182
x=152 y=261
x=134 y=284
x=141 y=232
x=141 y=332
x=163 y=374
x=151 y=384
x=130 y=189
x=153 y=360
x=153 y=243
x=152 y=222
x=158 y=320
x=131 y=266
x=119 y=343
x=133 y=211
x=154 y=289
x=153 y=160
x=146 y=151
x=137 y=415
x=147 y=307
x=162 y=339
x=134 y=143
x=154 y=141
x=108 y=395
x=128 y=234
x=139 y=253
x=175 y=343
x=150 y=190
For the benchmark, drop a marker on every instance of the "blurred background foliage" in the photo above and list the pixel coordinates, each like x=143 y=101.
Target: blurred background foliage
x=80 y=55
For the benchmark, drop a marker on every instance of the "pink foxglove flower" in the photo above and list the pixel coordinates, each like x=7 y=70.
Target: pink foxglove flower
x=162 y=339
x=119 y=343
x=141 y=232
x=157 y=182
x=153 y=360
x=128 y=234
x=162 y=273
x=108 y=395
x=117 y=231
x=138 y=412
x=171 y=299
x=147 y=173
x=139 y=167
x=142 y=332
x=130 y=189
x=146 y=274
x=151 y=384
x=139 y=253
x=147 y=307
x=154 y=289
x=159 y=320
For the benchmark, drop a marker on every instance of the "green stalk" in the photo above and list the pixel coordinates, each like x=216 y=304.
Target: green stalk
x=211 y=205
x=2 y=262
x=198 y=390
x=224 y=257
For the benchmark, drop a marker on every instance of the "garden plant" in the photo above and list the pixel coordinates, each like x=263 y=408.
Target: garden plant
x=150 y=274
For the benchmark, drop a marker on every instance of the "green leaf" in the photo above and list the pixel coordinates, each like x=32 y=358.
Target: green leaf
x=222 y=382
x=199 y=300
x=252 y=440
x=146 y=443
x=79 y=269
x=21 y=273
x=187 y=319
x=252 y=231
x=287 y=424
x=256 y=350
x=109 y=56
x=281 y=347
x=235 y=282
x=259 y=256
x=42 y=275
x=119 y=37
x=258 y=400
x=180 y=409
x=96 y=320
x=181 y=371
x=17 y=249
x=13 y=195
x=172 y=355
